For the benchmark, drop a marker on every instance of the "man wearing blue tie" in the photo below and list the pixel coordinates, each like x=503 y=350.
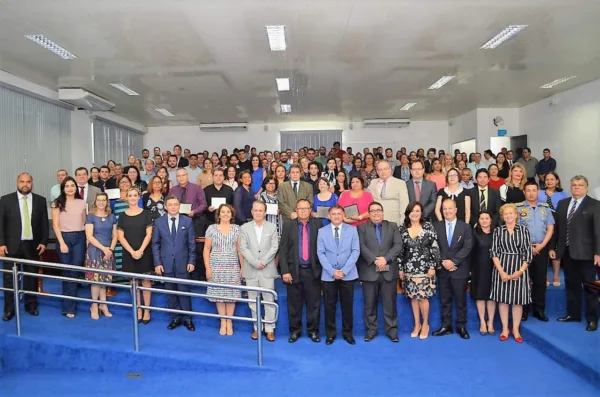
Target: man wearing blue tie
x=338 y=249
x=174 y=251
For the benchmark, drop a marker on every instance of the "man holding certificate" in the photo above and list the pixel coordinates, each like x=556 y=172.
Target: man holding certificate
x=217 y=194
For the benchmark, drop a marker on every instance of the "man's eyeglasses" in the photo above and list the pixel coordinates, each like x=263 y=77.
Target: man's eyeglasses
x=377 y=211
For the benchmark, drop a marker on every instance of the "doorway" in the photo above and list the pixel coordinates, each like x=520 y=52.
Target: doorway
x=517 y=144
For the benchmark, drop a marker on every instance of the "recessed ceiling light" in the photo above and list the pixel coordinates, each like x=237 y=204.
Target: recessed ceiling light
x=276 y=35
x=283 y=84
x=556 y=82
x=50 y=46
x=126 y=90
x=408 y=106
x=441 y=82
x=286 y=108
x=501 y=37
x=164 y=112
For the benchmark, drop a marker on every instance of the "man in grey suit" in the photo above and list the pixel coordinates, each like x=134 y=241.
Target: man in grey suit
x=380 y=247
x=292 y=191
x=259 y=243
x=86 y=191
x=421 y=190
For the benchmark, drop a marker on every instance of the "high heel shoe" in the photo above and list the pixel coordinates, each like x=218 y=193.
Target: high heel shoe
x=518 y=339
x=94 y=311
x=424 y=334
x=483 y=333
x=223 y=330
x=415 y=334
x=491 y=330
x=139 y=315
x=145 y=320
x=104 y=311
x=229 y=327
x=503 y=337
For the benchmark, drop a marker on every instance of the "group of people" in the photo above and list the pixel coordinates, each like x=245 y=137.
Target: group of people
x=321 y=222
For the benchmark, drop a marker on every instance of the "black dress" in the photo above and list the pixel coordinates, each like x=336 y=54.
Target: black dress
x=134 y=228
x=459 y=198
x=511 y=194
x=481 y=266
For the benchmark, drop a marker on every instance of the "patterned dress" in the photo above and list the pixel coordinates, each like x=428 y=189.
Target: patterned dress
x=276 y=219
x=512 y=250
x=420 y=254
x=224 y=262
x=367 y=177
x=94 y=259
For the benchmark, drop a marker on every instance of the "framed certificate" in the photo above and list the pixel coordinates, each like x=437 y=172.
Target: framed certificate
x=113 y=194
x=272 y=209
x=216 y=202
x=322 y=212
x=185 y=208
x=351 y=210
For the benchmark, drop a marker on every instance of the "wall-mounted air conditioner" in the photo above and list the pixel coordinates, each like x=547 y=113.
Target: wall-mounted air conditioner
x=220 y=127
x=83 y=99
x=386 y=123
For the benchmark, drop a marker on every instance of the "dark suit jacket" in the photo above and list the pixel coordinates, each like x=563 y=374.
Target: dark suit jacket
x=428 y=196
x=428 y=164
x=10 y=222
x=183 y=162
x=391 y=247
x=288 y=247
x=459 y=251
x=493 y=204
x=174 y=254
x=584 y=230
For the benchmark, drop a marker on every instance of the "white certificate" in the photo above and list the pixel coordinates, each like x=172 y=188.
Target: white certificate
x=272 y=209
x=113 y=194
x=185 y=208
x=215 y=202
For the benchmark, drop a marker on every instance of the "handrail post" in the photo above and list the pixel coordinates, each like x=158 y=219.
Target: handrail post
x=16 y=288
x=136 y=336
x=259 y=328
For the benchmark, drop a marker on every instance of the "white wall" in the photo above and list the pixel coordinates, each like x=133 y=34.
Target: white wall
x=570 y=129
x=463 y=128
x=469 y=146
x=486 y=128
x=420 y=134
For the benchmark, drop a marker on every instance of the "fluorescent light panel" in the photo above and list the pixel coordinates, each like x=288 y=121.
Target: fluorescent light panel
x=408 y=106
x=164 y=112
x=283 y=84
x=50 y=46
x=126 y=90
x=441 y=82
x=503 y=36
x=286 y=108
x=276 y=35
x=556 y=82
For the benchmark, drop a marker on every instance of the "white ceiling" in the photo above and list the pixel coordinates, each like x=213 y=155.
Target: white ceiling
x=209 y=60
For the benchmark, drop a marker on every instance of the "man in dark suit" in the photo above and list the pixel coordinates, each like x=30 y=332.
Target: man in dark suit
x=174 y=252
x=421 y=190
x=301 y=271
x=577 y=241
x=23 y=235
x=455 y=241
x=380 y=247
x=182 y=162
x=428 y=164
x=484 y=198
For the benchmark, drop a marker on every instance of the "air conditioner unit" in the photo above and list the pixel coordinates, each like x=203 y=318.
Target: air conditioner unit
x=386 y=123
x=220 y=127
x=83 y=99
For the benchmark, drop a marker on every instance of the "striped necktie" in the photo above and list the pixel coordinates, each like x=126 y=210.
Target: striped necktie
x=569 y=217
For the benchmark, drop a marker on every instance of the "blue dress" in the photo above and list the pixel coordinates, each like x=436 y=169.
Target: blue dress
x=257 y=180
x=94 y=259
x=329 y=203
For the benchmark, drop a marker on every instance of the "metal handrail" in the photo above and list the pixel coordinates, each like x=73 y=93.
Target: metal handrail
x=133 y=287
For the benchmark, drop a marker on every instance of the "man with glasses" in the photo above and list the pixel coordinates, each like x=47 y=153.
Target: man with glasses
x=301 y=270
x=390 y=192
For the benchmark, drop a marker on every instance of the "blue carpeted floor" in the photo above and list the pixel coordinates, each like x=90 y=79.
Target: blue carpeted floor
x=81 y=357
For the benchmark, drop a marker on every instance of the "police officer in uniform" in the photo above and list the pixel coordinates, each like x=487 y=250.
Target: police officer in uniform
x=538 y=218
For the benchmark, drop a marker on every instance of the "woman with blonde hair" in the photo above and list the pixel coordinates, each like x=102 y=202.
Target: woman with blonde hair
x=512 y=190
x=448 y=163
x=511 y=252
x=101 y=233
x=205 y=178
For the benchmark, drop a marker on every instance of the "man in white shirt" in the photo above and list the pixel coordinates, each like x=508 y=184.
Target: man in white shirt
x=346 y=164
x=55 y=191
x=466 y=177
x=86 y=191
x=193 y=170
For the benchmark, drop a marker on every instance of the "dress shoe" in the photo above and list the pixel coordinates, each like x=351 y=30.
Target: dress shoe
x=518 y=339
x=189 y=325
x=568 y=319
x=592 y=326
x=503 y=338
x=329 y=340
x=270 y=336
x=294 y=337
x=350 y=339
x=33 y=311
x=525 y=315
x=443 y=331
x=394 y=338
x=174 y=324
x=254 y=335
x=462 y=332
x=369 y=337
x=8 y=316
x=540 y=316
x=315 y=337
